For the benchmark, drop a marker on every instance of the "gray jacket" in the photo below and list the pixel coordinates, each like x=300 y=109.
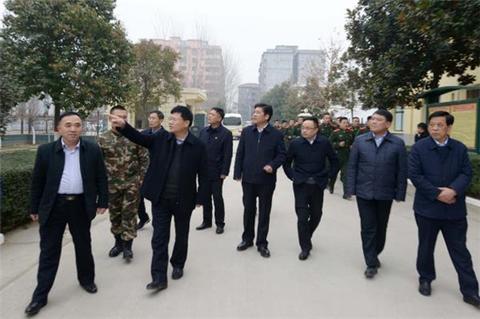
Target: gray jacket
x=377 y=172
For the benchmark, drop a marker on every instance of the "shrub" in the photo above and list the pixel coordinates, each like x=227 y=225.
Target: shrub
x=15 y=178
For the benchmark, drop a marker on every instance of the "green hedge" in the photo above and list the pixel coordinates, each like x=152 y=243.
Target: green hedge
x=15 y=178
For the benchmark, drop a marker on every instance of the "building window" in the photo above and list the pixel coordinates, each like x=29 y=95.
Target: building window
x=398 y=119
x=473 y=94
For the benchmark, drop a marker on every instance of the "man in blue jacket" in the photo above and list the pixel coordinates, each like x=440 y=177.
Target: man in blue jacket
x=440 y=169
x=377 y=175
x=310 y=175
x=260 y=153
x=219 y=142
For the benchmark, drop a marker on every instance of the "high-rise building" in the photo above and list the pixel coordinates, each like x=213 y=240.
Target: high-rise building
x=288 y=63
x=248 y=96
x=201 y=65
x=308 y=63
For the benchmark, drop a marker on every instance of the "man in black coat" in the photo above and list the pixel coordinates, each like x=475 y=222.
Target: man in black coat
x=377 y=175
x=69 y=186
x=260 y=153
x=177 y=159
x=310 y=176
x=219 y=143
x=440 y=169
x=155 y=119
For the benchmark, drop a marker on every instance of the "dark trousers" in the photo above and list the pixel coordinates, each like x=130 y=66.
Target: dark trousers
x=455 y=234
x=142 y=212
x=308 y=206
x=162 y=216
x=214 y=189
x=51 y=234
x=264 y=192
x=374 y=216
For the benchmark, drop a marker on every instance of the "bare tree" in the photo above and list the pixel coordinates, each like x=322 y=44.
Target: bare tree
x=232 y=77
x=29 y=111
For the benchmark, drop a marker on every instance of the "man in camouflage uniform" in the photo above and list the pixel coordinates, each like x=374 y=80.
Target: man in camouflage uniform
x=341 y=140
x=126 y=163
x=326 y=127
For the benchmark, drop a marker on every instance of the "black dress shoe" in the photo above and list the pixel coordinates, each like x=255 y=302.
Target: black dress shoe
x=203 y=226
x=177 y=273
x=34 y=307
x=219 y=230
x=264 y=252
x=379 y=264
x=90 y=288
x=304 y=255
x=370 y=272
x=347 y=197
x=157 y=286
x=244 y=245
x=142 y=223
x=473 y=300
x=330 y=189
x=425 y=288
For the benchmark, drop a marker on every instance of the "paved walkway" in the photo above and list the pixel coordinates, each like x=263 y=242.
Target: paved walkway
x=220 y=282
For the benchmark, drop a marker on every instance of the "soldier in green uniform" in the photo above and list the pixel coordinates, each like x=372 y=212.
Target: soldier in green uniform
x=357 y=128
x=297 y=131
x=289 y=133
x=326 y=127
x=341 y=140
x=126 y=164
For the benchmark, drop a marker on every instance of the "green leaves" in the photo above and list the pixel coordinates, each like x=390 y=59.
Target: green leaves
x=73 y=50
x=404 y=47
x=153 y=76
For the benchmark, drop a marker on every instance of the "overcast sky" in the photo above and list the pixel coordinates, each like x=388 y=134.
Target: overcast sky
x=244 y=27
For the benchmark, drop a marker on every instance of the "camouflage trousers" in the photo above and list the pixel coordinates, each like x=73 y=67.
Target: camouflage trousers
x=123 y=208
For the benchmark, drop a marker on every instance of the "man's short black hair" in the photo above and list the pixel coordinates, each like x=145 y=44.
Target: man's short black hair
x=325 y=114
x=220 y=111
x=267 y=109
x=159 y=114
x=117 y=107
x=386 y=114
x=355 y=117
x=313 y=119
x=422 y=126
x=68 y=113
x=369 y=118
x=284 y=121
x=341 y=118
x=449 y=118
x=185 y=113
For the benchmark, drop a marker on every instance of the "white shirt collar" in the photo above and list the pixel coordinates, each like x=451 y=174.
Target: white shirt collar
x=441 y=144
x=64 y=146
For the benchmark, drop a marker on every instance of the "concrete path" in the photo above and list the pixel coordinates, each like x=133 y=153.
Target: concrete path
x=220 y=282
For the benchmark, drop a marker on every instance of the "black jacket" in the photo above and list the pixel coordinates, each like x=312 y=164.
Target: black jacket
x=429 y=168
x=193 y=163
x=257 y=150
x=47 y=175
x=219 y=144
x=377 y=172
x=309 y=161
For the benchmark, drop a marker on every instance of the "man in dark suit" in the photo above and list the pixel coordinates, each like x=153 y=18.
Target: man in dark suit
x=177 y=159
x=155 y=119
x=441 y=171
x=69 y=186
x=310 y=176
x=219 y=143
x=260 y=153
x=377 y=175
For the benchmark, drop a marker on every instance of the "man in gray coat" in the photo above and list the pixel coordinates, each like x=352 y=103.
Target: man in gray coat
x=377 y=175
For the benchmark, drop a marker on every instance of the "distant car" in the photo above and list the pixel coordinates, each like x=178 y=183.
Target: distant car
x=233 y=122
